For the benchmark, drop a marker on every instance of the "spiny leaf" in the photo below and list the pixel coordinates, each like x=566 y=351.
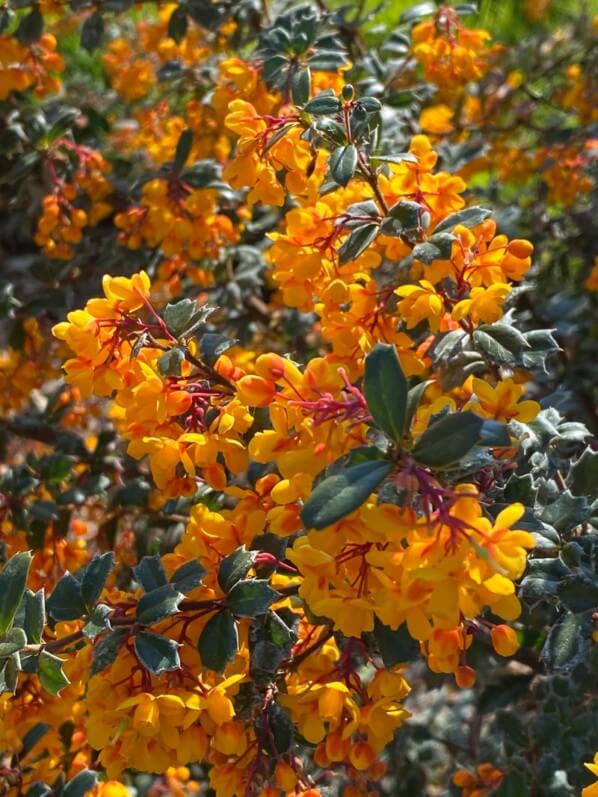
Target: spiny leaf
x=219 y=641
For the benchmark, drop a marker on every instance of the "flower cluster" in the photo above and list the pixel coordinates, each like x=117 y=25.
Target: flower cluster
x=299 y=448
x=23 y=67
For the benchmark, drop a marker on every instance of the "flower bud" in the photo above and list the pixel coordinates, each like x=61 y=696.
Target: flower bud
x=465 y=677
x=504 y=640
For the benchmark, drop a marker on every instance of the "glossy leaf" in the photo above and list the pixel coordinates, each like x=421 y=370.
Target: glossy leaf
x=452 y=437
x=11 y=642
x=339 y=495
x=98 y=621
x=219 y=641
x=342 y=163
x=81 y=784
x=12 y=587
x=468 y=217
x=66 y=601
x=323 y=104
x=96 y=575
x=150 y=573
x=51 y=675
x=234 y=567
x=385 y=390
x=251 y=597
x=92 y=32
x=158 y=604
x=396 y=647
x=188 y=576
x=106 y=649
x=357 y=242
x=35 y=615
x=157 y=653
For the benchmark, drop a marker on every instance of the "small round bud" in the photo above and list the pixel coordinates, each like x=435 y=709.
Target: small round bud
x=348 y=92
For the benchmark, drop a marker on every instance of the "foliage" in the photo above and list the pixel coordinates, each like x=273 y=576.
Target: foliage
x=299 y=491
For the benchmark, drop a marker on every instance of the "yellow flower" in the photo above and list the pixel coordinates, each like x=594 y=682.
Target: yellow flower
x=484 y=305
x=592 y=790
x=502 y=402
x=420 y=302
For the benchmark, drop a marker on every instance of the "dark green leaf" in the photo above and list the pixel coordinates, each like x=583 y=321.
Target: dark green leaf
x=414 y=397
x=219 y=641
x=370 y=104
x=520 y=488
x=177 y=24
x=357 y=213
x=568 y=642
x=278 y=632
x=282 y=729
x=206 y=13
x=183 y=150
x=188 y=576
x=266 y=657
x=51 y=675
x=583 y=475
x=468 y=217
x=251 y=597
x=357 y=242
x=135 y=493
x=30 y=27
x=92 y=32
x=94 y=580
x=106 y=650
x=57 y=468
x=301 y=86
x=39 y=789
x=572 y=554
x=172 y=70
x=32 y=737
x=408 y=214
x=9 y=674
x=396 y=647
x=437 y=247
x=66 y=601
x=178 y=315
x=542 y=344
x=234 y=567
x=339 y=495
x=416 y=12
x=579 y=593
x=325 y=103
x=44 y=510
x=150 y=573
x=385 y=390
x=169 y=364
x=212 y=345
x=157 y=653
x=81 y=784
x=327 y=60
x=98 y=621
x=514 y=785
x=567 y=511
x=12 y=587
x=35 y=615
x=342 y=163
x=6 y=15
x=275 y=67
x=449 y=439
x=158 y=604
x=494 y=433
x=12 y=641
